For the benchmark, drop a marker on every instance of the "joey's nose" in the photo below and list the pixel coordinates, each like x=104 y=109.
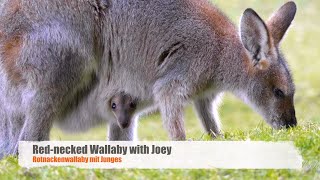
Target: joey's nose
x=124 y=125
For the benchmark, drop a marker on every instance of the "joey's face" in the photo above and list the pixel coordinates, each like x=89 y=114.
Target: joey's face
x=270 y=87
x=123 y=107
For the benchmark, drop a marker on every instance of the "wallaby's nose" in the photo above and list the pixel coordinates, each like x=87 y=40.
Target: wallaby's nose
x=293 y=121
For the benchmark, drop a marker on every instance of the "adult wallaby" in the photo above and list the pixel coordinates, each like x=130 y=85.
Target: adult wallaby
x=192 y=51
x=176 y=51
x=53 y=53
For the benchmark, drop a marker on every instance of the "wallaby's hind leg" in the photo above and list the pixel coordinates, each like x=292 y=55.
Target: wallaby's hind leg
x=118 y=134
x=11 y=120
x=54 y=77
x=42 y=107
x=4 y=135
x=39 y=116
x=14 y=129
x=206 y=108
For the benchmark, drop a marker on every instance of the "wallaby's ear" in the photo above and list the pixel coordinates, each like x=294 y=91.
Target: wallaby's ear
x=254 y=36
x=281 y=20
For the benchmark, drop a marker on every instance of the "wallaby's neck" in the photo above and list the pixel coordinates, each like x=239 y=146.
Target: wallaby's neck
x=236 y=67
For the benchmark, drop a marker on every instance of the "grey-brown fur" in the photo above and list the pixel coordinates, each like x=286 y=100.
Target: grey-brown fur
x=165 y=53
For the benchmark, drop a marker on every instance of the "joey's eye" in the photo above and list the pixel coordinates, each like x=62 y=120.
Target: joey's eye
x=278 y=93
x=133 y=105
x=113 y=106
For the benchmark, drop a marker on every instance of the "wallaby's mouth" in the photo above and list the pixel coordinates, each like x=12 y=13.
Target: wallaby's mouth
x=291 y=123
x=284 y=124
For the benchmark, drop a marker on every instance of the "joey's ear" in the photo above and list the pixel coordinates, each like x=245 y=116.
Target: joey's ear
x=280 y=21
x=254 y=34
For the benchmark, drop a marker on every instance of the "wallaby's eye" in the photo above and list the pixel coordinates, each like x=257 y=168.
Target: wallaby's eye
x=113 y=106
x=133 y=105
x=278 y=93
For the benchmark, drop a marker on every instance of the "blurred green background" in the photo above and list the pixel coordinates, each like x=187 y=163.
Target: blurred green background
x=302 y=50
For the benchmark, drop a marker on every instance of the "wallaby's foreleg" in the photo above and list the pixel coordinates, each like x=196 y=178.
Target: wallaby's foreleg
x=117 y=134
x=171 y=104
x=206 y=108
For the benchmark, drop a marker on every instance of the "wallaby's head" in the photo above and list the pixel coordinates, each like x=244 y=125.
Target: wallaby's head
x=270 y=88
x=123 y=107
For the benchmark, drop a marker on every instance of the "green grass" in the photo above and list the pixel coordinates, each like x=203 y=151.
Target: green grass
x=306 y=138
x=301 y=47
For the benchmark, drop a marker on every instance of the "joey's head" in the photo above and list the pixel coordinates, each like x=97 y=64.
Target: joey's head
x=123 y=107
x=270 y=85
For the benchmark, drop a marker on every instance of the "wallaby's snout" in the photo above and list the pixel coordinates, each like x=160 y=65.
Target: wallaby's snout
x=286 y=120
x=123 y=107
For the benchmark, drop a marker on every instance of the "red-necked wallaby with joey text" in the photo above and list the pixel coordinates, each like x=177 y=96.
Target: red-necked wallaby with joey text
x=165 y=53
